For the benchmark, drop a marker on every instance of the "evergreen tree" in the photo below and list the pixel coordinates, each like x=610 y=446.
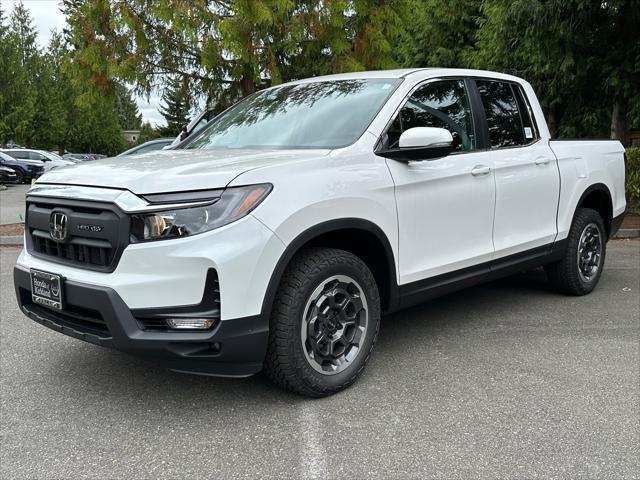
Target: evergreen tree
x=230 y=48
x=49 y=125
x=442 y=33
x=147 y=132
x=10 y=70
x=18 y=52
x=582 y=57
x=129 y=116
x=94 y=127
x=177 y=106
x=21 y=25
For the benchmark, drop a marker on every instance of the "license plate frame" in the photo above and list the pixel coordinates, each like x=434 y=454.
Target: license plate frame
x=47 y=289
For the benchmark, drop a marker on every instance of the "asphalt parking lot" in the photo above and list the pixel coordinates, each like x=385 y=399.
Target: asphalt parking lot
x=504 y=380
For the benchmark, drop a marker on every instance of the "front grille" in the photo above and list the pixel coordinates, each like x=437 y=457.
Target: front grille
x=96 y=233
x=78 y=250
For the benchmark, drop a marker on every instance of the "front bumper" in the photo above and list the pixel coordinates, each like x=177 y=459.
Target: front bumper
x=8 y=178
x=98 y=315
x=33 y=173
x=172 y=273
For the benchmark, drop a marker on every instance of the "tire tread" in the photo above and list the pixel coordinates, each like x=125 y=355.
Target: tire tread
x=563 y=275
x=282 y=365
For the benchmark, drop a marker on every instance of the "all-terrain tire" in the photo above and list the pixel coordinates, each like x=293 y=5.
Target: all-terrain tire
x=565 y=274
x=286 y=363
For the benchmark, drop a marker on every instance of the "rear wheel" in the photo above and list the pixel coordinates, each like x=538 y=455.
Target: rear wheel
x=324 y=323
x=578 y=272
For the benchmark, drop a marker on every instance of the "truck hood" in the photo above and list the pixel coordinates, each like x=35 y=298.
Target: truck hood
x=173 y=170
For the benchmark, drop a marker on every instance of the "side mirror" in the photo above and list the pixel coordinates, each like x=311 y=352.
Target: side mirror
x=421 y=143
x=184 y=133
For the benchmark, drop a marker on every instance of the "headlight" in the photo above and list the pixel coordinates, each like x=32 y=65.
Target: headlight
x=233 y=204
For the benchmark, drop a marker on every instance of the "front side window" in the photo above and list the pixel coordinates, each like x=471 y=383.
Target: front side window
x=206 y=118
x=19 y=154
x=504 y=118
x=327 y=114
x=443 y=104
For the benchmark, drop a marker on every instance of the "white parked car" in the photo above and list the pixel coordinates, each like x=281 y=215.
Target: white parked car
x=276 y=237
x=194 y=126
x=50 y=160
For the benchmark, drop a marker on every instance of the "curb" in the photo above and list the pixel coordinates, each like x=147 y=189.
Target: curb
x=627 y=233
x=11 y=240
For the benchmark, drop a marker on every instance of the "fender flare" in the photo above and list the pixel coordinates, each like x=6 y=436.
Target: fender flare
x=315 y=231
x=597 y=187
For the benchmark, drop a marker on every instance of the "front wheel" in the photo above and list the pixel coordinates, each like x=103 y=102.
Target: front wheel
x=324 y=323
x=20 y=177
x=578 y=272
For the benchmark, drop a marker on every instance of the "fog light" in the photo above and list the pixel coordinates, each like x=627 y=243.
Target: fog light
x=189 y=323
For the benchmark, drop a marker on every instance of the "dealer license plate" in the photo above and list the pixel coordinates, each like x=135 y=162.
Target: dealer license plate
x=46 y=289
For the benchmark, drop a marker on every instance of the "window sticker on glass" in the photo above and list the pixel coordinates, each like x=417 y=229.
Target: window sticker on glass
x=528 y=133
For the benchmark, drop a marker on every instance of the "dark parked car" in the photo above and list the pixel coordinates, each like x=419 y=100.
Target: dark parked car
x=50 y=160
x=7 y=175
x=150 y=146
x=26 y=170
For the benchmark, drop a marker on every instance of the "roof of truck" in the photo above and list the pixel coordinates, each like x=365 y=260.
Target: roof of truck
x=406 y=72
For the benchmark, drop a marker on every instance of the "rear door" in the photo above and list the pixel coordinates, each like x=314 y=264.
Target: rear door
x=526 y=171
x=445 y=205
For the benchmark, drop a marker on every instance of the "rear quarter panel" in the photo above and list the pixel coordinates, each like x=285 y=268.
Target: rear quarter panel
x=584 y=163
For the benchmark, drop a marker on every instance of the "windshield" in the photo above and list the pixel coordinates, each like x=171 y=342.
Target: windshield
x=52 y=156
x=309 y=115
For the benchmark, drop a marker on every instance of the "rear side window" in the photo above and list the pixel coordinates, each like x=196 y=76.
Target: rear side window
x=531 y=133
x=508 y=117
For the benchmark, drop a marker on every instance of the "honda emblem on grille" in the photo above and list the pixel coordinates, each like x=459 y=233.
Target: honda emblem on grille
x=58 y=226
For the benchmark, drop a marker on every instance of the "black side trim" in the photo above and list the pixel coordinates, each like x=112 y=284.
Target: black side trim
x=616 y=223
x=601 y=187
x=316 y=231
x=478 y=115
x=408 y=154
x=423 y=290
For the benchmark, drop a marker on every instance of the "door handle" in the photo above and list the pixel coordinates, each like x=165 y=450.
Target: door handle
x=480 y=170
x=542 y=160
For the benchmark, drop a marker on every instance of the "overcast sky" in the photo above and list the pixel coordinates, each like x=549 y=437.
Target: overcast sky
x=47 y=16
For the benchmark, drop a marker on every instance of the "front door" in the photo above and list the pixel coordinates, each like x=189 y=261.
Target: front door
x=446 y=205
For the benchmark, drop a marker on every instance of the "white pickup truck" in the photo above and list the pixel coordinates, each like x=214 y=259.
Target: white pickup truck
x=276 y=237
